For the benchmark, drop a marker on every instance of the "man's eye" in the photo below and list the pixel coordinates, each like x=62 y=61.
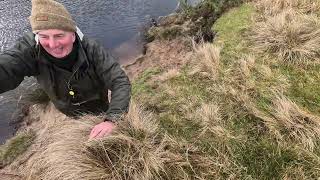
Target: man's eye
x=43 y=37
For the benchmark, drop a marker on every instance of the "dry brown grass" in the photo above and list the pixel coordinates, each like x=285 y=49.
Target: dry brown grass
x=136 y=150
x=290 y=36
x=241 y=74
x=206 y=60
x=212 y=122
x=273 y=7
x=169 y=74
x=288 y=123
x=294 y=124
x=294 y=173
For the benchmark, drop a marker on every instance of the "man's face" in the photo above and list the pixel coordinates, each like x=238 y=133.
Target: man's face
x=57 y=43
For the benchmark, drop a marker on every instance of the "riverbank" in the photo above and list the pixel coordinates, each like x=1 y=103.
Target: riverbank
x=241 y=107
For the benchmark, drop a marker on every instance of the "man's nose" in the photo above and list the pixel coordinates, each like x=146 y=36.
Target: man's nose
x=52 y=43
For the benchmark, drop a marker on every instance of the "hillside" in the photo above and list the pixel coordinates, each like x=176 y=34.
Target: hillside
x=244 y=106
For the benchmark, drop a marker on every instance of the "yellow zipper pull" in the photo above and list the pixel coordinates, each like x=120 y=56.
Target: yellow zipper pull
x=71 y=93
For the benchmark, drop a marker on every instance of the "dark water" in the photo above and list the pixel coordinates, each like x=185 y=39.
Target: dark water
x=114 y=23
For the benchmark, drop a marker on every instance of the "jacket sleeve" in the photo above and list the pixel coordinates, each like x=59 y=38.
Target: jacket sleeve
x=15 y=63
x=115 y=80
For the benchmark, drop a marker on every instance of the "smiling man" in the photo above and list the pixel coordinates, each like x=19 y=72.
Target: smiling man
x=74 y=71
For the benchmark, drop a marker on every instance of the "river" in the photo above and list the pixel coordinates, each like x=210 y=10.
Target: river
x=117 y=24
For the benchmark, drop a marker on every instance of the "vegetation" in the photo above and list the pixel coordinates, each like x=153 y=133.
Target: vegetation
x=243 y=107
x=250 y=97
x=194 y=22
x=15 y=146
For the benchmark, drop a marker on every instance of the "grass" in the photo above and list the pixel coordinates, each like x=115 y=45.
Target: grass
x=230 y=113
x=303 y=91
x=140 y=86
x=232 y=102
x=228 y=27
x=194 y=22
x=273 y=7
x=15 y=147
x=289 y=36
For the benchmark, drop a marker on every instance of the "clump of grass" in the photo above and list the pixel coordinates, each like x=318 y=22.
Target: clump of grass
x=211 y=121
x=167 y=75
x=207 y=60
x=137 y=149
x=130 y=152
x=167 y=33
x=16 y=146
x=273 y=7
x=290 y=36
x=242 y=74
x=293 y=124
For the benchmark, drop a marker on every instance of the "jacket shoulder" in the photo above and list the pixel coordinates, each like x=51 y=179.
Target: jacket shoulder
x=27 y=39
x=90 y=44
x=95 y=51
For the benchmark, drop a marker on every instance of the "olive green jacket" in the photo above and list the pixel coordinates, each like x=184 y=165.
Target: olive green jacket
x=84 y=90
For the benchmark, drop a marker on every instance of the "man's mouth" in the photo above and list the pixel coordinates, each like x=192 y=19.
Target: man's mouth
x=58 y=50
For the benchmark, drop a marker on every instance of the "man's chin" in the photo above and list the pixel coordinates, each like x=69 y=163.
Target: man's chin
x=58 y=55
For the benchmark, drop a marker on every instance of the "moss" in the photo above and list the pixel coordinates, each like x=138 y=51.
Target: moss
x=16 y=146
x=140 y=86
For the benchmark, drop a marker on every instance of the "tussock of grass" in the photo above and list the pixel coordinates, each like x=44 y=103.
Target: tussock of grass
x=212 y=122
x=137 y=149
x=241 y=74
x=171 y=73
x=207 y=57
x=273 y=7
x=133 y=151
x=290 y=36
x=294 y=124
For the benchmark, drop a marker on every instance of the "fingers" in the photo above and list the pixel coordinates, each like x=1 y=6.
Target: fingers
x=94 y=132
x=102 y=133
x=102 y=129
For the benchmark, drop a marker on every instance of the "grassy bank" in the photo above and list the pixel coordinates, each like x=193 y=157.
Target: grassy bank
x=249 y=101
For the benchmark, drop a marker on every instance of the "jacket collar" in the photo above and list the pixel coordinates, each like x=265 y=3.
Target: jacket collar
x=80 y=34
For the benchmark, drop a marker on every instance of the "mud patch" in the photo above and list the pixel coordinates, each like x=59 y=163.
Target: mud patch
x=162 y=54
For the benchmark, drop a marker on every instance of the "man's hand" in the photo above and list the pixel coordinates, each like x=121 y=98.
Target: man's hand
x=102 y=129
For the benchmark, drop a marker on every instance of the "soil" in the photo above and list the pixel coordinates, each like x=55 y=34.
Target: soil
x=161 y=54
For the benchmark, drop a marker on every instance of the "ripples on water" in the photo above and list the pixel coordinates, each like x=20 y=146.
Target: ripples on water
x=114 y=23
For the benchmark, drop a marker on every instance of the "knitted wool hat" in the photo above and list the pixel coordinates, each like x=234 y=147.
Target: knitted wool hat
x=49 y=14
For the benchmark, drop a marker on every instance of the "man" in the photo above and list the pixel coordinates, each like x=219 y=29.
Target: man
x=74 y=71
